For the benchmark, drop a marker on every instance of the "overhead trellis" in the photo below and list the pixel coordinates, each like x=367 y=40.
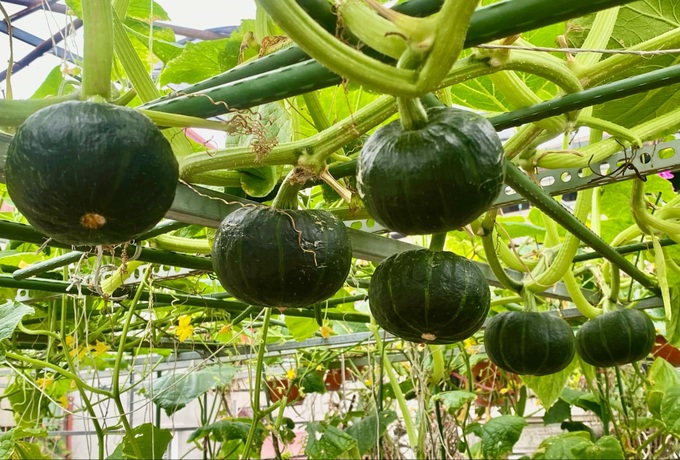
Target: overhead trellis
x=297 y=94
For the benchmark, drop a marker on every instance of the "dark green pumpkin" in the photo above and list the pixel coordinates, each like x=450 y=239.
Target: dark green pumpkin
x=434 y=179
x=615 y=338
x=281 y=258
x=429 y=297
x=529 y=343
x=86 y=173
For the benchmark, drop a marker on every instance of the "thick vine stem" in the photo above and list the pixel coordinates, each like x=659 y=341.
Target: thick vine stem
x=487 y=235
x=594 y=153
x=394 y=383
x=442 y=49
x=582 y=304
x=14 y=112
x=316 y=149
x=335 y=55
x=524 y=137
x=606 y=69
x=259 y=366
x=520 y=95
x=620 y=132
x=648 y=224
x=562 y=261
x=98 y=52
x=371 y=28
x=115 y=377
x=598 y=37
x=452 y=23
x=180 y=244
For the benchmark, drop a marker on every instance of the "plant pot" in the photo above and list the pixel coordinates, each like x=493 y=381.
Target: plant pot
x=663 y=349
x=333 y=379
x=278 y=388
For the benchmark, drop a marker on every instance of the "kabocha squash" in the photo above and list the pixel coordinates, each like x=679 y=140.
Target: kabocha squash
x=281 y=258
x=434 y=179
x=615 y=338
x=87 y=173
x=529 y=343
x=425 y=296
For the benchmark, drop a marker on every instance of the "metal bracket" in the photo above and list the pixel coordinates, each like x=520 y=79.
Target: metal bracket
x=650 y=159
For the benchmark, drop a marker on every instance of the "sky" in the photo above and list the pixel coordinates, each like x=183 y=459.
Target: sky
x=197 y=14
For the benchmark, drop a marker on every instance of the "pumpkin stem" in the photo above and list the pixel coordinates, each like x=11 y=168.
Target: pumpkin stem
x=437 y=241
x=529 y=300
x=412 y=112
x=287 y=196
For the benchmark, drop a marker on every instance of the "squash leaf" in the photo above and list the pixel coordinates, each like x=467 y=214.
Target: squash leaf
x=499 y=434
x=202 y=60
x=301 y=328
x=670 y=409
x=453 y=401
x=151 y=441
x=636 y=23
x=563 y=445
x=173 y=391
x=607 y=447
x=11 y=314
x=326 y=441
x=368 y=430
x=549 y=387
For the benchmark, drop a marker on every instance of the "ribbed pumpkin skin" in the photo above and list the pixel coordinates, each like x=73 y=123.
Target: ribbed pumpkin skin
x=615 y=338
x=429 y=297
x=76 y=159
x=261 y=258
x=434 y=179
x=529 y=343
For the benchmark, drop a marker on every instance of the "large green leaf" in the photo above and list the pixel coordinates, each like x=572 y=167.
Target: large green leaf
x=227 y=430
x=161 y=43
x=670 y=409
x=582 y=399
x=55 y=84
x=206 y=59
x=606 y=448
x=29 y=404
x=549 y=387
x=11 y=314
x=636 y=23
x=499 y=434
x=326 y=441
x=558 y=412
x=173 y=391
x=563 y=446
x=150 y=442
x=13 y=448
x=301 y=328
x=453 y=401
x=368 y=430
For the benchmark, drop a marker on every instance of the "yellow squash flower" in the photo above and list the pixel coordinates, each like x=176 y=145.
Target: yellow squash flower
x=184 y=329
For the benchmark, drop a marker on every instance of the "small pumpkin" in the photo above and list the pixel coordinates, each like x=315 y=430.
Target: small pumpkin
x=281 y=258
x=434 y=179
x=615 y=338
x=529 y=343
x=425 y=296
x=87 y=173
